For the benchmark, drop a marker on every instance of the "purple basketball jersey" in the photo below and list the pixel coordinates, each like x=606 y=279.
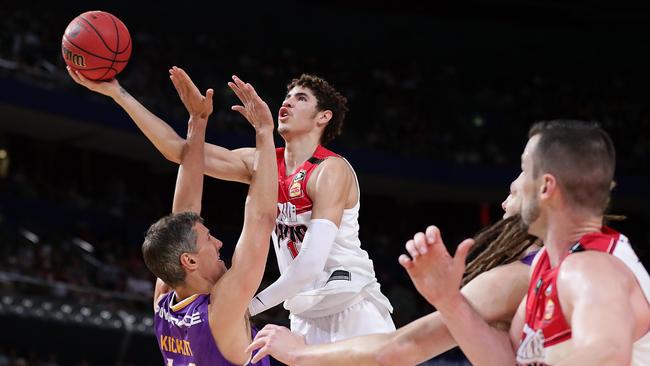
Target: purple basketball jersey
x=184 y=335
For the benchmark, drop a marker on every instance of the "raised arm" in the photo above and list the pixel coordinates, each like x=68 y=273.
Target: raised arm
x=234 y=291
x=220 y=163
x=189 y=181
x=329 y=189
x=437 y=276
x=412 y=344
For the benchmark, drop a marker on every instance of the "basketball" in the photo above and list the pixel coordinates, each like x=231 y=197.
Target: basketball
x=97 y=44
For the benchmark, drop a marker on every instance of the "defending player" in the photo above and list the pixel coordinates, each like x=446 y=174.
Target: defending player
x=201 y=307
x=327 y=280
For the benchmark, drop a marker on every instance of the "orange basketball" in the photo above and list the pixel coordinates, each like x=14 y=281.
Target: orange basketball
x=97 y=44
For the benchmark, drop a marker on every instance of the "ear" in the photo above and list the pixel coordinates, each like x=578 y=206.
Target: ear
x=324 y=117
x=548 y=186
x=188 y=261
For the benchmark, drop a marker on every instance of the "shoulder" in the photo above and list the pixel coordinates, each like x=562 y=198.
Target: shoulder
x=590 y=262
x=333 y=166
x=585 y=270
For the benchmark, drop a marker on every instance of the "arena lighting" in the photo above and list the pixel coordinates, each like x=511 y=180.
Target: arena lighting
x=83 y=245
x=33 y=238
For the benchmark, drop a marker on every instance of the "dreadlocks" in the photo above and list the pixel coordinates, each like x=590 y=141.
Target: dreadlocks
x=502 y=243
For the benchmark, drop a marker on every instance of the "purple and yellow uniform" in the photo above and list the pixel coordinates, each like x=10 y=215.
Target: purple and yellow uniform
x=184 y=335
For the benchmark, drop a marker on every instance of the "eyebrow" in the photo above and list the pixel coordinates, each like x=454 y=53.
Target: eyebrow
x=298 y=94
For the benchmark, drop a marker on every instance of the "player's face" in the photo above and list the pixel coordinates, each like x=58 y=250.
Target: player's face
x=211 y=267
x=298 y=113
x=512 y=204
x=530 y=208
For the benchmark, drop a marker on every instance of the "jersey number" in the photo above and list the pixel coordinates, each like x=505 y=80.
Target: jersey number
x=170 y=362
x=292 y=249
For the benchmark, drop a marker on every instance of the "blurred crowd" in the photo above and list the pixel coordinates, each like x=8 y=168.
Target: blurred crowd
x=74 y=219
x=414 y=103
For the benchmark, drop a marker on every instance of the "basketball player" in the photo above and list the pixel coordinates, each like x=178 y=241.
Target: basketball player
x=496 y=283
x=587 y=301
x=327 y=280
x=200 y=306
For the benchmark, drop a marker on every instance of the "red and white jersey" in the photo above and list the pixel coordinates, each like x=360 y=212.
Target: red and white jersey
x=546 y=337
x=348 y=275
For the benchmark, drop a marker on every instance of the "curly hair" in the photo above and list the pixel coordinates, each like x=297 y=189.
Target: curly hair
x=327 y=98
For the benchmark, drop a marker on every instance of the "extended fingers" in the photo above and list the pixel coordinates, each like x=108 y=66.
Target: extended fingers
x=259 y=342
x=432 y=235
x=405 y=261
x=73 y=75
x=411 y=250
x=238 y=92
x=263 y=352
x=463 y=249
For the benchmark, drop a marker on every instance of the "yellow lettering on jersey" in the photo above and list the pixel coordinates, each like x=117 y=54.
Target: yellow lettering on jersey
x=163 y=342
x=179 y=347
x=174 y=345
x=188 y=348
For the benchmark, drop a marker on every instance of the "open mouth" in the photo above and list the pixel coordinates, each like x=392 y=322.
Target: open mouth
x=283 y=113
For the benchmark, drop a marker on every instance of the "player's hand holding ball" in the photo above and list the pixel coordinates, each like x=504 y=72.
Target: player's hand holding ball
x=96 y=46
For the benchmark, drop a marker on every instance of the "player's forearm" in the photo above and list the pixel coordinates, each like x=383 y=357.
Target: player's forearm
x=306 y=267
x=261 y=203
x=362 y=351
x=189 y=182
x=480 y=342
x=164 y=138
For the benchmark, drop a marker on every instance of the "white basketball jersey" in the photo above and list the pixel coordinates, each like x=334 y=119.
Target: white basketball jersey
x=348 y=276
x=546 y=337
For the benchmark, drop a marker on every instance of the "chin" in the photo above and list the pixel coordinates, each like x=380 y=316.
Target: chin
x=282 y=130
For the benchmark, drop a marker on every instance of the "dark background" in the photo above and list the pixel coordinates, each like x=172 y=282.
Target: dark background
x=441 y=97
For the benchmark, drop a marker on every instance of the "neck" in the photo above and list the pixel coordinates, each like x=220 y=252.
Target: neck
x=191 y=287
x=298 y=150
x=564 y=229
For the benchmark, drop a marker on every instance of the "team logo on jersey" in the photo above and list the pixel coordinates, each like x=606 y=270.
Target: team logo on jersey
x=549 y=290
x=295 y=190
x=299 y=176
x=549 y=309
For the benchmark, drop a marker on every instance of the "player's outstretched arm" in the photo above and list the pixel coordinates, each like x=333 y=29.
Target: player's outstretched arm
x=495 y=294
x=239 y=284
x=437 y=276
x=220 y=163
x=329 y=188
x=595 y=290
x=189 y=181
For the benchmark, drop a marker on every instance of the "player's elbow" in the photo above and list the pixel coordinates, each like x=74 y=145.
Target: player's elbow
x=173 y=150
